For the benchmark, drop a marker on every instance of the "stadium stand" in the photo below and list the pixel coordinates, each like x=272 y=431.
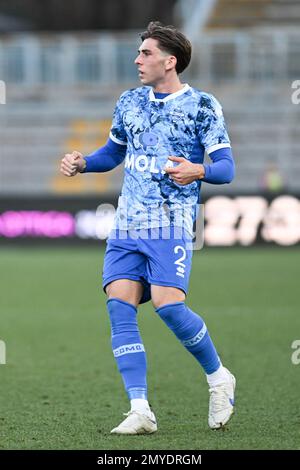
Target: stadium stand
x=61 y=91
x=249 y=13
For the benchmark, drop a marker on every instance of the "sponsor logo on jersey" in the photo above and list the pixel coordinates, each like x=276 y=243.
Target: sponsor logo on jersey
x=143 y=163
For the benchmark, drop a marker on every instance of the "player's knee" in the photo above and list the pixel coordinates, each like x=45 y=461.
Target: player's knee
x=161 y=296
x=126 y=290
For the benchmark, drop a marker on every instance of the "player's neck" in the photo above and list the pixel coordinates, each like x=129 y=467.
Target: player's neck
x=170 y=86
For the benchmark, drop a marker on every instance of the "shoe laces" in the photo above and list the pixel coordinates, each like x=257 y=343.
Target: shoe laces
x=131 y=413
x=218 y=397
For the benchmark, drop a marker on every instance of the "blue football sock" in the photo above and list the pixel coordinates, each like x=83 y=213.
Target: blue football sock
x=191 y=330
x=128 y=348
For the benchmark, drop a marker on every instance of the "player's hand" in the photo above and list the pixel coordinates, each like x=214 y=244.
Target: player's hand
x=186 y=172
x=72 y=163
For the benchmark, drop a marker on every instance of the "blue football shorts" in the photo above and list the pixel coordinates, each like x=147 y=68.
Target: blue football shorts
x=148 y=256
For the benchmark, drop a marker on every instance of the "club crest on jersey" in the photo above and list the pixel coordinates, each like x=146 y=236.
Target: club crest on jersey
x=148 y=139
x=177 y=115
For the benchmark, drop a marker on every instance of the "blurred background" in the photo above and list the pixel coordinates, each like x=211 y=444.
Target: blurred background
x=64 y=64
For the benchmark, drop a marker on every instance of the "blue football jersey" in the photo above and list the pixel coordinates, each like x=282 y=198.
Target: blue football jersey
x=184 y=124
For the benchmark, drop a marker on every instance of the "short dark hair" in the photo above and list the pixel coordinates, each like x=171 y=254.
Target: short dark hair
x=172 y=41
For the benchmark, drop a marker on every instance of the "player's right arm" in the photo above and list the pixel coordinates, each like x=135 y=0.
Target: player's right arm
x=104 y=159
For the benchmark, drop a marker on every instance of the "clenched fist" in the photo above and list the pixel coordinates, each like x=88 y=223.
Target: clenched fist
x=72 y=163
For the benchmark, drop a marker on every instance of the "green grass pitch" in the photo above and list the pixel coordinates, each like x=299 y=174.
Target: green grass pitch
x=60 y=388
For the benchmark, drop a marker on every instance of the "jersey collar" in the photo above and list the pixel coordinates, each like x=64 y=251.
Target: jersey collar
x=171 y=96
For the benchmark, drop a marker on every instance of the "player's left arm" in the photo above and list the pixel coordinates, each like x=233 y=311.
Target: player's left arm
x=214 y=138
x=222 y=170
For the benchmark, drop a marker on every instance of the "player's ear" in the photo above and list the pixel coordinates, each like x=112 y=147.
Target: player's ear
x=171 y=62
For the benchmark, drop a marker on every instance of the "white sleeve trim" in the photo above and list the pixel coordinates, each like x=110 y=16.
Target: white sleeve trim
x=213 y=148
x=117 y=141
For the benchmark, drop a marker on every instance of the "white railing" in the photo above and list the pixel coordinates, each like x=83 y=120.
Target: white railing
x=194 y=15
x=108 y=59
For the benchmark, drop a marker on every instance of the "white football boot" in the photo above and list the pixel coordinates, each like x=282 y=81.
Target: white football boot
x=136 y=423
x=221 y=403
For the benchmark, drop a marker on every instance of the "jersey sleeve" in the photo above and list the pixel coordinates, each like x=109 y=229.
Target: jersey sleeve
x=211 y=125
x=117 y=132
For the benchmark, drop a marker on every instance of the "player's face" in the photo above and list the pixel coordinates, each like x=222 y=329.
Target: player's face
x=152 y=62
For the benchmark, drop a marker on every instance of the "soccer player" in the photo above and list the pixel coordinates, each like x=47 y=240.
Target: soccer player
x=162 y=130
